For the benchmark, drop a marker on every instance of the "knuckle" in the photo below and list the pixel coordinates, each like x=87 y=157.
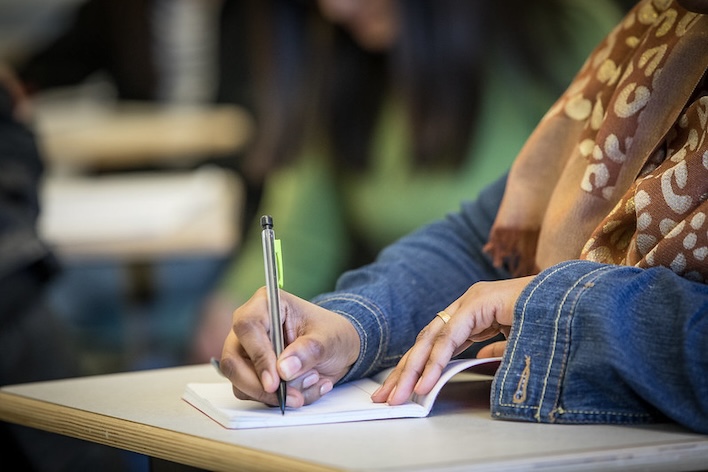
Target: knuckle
x=263 y=397
x=434 y=362
x=311 y=395
x=262 y=357
x=226 y=366
x=316 y=348
x=424 y=334
x=242 y=325
x=239 y=394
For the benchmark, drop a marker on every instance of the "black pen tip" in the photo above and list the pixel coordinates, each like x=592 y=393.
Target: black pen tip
x=282 y=397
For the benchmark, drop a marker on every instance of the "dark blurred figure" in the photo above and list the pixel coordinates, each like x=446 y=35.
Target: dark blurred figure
x=178 y=52
x=165 y=51
x=155 y=50
x=33 y=344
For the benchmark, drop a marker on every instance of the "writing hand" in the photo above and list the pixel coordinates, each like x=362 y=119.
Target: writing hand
x=486 y=309
x=321 y=346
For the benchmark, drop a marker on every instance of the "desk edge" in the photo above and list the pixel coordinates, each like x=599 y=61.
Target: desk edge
x=144 y=439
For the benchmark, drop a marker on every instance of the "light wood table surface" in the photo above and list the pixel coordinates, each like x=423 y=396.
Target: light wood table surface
x=143 y=412
x=114 y=136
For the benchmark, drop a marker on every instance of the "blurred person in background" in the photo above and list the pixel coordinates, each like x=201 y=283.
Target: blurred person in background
x=190 y=52
x=173 y=52
x=378 y=116
x=179 y=51
x=34 y=344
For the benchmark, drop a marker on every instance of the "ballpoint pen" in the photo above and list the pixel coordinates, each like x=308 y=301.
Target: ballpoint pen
x=273 y=276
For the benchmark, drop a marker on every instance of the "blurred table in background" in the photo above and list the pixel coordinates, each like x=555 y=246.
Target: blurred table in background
x=116 y=136
x=136 y=179
x=143 y=217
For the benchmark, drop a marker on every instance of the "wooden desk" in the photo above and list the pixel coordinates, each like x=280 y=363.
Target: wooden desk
x=143 y=412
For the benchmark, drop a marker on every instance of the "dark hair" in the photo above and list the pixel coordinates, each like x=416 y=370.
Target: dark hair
x=316 y=79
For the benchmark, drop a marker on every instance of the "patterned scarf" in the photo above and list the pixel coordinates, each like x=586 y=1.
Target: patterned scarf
x=617 y=170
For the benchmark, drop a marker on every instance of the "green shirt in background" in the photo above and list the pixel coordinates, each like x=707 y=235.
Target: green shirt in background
x=316 y=213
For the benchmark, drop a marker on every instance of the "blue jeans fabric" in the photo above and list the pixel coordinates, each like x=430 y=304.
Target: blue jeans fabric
x=590 y=343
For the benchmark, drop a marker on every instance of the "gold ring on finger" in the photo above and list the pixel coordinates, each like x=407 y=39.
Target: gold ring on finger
x=444 y=316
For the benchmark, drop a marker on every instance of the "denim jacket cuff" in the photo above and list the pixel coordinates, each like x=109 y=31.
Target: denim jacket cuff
x=369 y=321
x=531 y=379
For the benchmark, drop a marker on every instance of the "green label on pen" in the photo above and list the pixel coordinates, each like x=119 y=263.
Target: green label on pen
x=279 y=262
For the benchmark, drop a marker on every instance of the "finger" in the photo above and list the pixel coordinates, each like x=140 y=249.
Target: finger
x=318 y=339
x=307 y=389
x=317 y=391
x=303 y=354
x=253 y=335
x=261 y=396
x=262 y=357
x=239 y=370
x=506 y=331
x=413 y=363
x=449 y=340
x=384 y=391
x=487 y=333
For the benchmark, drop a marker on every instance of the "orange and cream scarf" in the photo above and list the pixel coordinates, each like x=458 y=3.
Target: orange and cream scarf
x=617 y=171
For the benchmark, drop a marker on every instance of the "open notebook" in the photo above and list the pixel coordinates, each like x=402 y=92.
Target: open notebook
x=346 y=402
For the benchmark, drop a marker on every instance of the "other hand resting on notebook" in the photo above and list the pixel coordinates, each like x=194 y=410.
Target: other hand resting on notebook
x=483 y=311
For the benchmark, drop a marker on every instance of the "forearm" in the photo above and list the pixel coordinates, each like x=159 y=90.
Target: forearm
x=607 y=344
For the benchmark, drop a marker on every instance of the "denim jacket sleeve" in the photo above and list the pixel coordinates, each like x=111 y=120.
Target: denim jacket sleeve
x=591 y=343
x=594 y=343
x=392 y=299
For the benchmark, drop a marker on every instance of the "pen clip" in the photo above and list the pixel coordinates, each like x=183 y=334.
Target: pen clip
x=279 y=261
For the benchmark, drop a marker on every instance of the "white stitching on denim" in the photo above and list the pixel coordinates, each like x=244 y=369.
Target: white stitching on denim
x=555 y=338
x=520 y=328
x=586 y=285
x=615 y=414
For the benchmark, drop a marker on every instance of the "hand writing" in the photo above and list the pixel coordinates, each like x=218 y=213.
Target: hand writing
x=320 y=348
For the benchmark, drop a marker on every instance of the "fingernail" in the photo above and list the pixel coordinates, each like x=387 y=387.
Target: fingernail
x=376 y=391
x=325 y=388
x=390 y=395
x=266 y=378
x=290 y=366
x=310 y=380
x=417 y=383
